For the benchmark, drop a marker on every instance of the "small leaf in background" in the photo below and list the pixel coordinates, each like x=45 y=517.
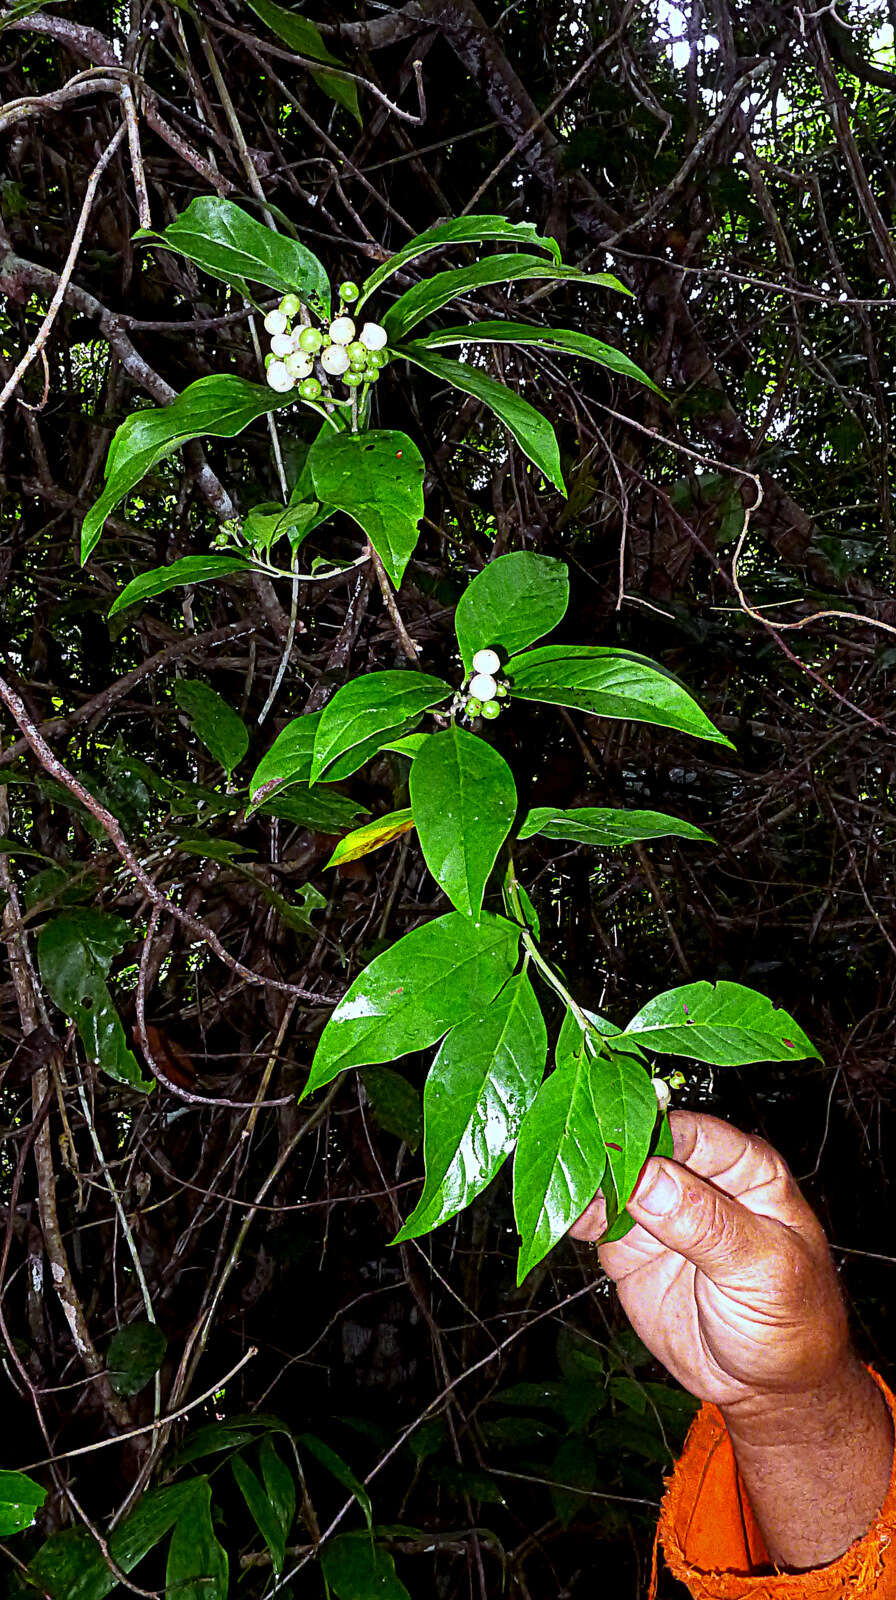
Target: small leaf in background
x=478 y=1091
x=531 y=430
x=340 y=1470
x=134 y=1356
x=265 y=524
x=279 y=1485
x=221 y=405
x=435 y=291
x=437 y=975
x=261 y=1510
x=371 y=836
x=605 y=827
x=355 y=1569
x=511 y=603
x=725 y=1024
x=463 y=800
x=376 y=477
x=523 y=334
x=304 y=38
x=20 y=1500
x=364 y=713
x=560 y=1157
x=74 y=953
x=229 y=244
x=409 y=746
x=394 y=1103
x=197 y=1567
x=459 y=230
x=213 y=1438
x=609 y=683
x=188 y=570
x=221 y=730
x=321 y=809
x=288 y=760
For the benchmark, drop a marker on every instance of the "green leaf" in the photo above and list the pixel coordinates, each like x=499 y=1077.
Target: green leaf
x=531 y=430
x=722 y=1023
x=459 y=230
x=134 y=1356
x=341 y=1471
x=260 y=1509
x=480 y=1086
x=321 y=809
x=229 y=244
x=433 y=292
x=522 y=333
x=603 y=827
x=269 y=522
x=560 y=1157
x=288 y=760
x=371 y=836
x=216 y=1437
x=619 y=1223
x=71 y=1566
x=364 y=713
x=355 y=1569
x=221 y=405
x=188 y=570
x=279 y=1485
x=409 y=746
x=74 y=953
x=626 y=1108
x=20 y=1500
x=463 y=800
x=436 y=976
x=303 y=37
x=197 y=1566
x=219 y=727
x=12 y=847
x=395 y=1104
x=511 y=603
x=376 y=477
x=609 y=683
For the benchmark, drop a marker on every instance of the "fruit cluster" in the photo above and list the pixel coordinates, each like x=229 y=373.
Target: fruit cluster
x=484 y=691
x=338 y=351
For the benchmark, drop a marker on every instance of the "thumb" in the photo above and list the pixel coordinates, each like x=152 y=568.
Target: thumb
x=709 y=1228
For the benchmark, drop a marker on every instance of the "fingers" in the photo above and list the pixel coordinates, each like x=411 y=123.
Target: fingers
x=592 y=1222
x=700 y=1222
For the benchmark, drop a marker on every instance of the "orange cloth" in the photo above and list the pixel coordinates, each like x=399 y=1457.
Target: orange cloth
x=712 y=1543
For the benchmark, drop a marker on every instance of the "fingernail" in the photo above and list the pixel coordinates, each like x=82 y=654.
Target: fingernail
x=661 y=1194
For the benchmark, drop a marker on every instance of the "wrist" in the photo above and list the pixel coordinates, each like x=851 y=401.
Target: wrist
x=807 y=1413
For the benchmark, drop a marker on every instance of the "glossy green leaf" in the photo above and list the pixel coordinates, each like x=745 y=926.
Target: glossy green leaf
x=409 y=746
x=463 y=800
x=725 y=1024
x=74 y=953
x=366 y=712
x=213 y=1438
x=523 y=333
x=134 y=1356
x=625 y=1105
x=321 y=809
x=436 y=976
x=604 y=827
x=340 y=1470
x=511 y=603
x=221 y=405
x=20 y=1500
x=395 y=1104
x=304 y=38
x=279 y=1485
x=531 y=430
x=70 y=1565
x=560 y=1156
x=214 y=722
x=376 y=477
x=260 y=1509
x=269 y=522
x=371 y=836
x=288 y=760
x=197 y=1566
x=609 y=683
x=188 y=570
x=619 y=1223
x=230 y=244
x=435 y=291
x=480 y=1086
x=459 y=230
x=355 y=1569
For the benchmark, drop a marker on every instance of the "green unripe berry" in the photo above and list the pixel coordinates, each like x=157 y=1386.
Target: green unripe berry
x=490 y=710
x=310 y=388
x=371 y=374
x=348 y=292
x=290 y=305
x=474 y=707
x=502 y=691
x=357 y=355
x=353 y=380
x=377 y=358
x=310 y=340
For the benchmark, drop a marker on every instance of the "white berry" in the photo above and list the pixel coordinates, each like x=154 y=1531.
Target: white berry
x=663 y=1092
x=342 y=330
x=281 y=344
x=279 y=377
x=373 y=336
x=275 y=322
x=486 y=661
x=483 y=686
x=299 y=364
x=334 y=359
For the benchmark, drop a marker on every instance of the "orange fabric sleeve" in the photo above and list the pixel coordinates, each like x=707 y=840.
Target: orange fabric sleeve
x=712 y=1543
